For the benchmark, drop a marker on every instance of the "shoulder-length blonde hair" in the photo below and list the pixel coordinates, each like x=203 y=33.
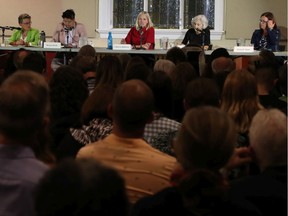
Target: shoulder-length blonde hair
x=240 y=98
x=150 y=23
x=202 y=18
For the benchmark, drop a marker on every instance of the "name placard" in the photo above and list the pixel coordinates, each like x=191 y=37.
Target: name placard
x=52 y=45
x=243 y=49
x=122 y=47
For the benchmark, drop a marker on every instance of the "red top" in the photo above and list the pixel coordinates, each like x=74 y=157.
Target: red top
x=148 y=36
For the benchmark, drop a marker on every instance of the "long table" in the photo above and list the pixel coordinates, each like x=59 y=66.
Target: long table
x=104 y=50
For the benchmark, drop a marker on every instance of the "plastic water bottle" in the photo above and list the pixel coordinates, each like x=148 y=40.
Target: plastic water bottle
x=110 y=41
x=42 y=38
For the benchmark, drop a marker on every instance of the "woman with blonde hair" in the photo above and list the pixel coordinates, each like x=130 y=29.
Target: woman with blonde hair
x=142 y=35
x=240 y=98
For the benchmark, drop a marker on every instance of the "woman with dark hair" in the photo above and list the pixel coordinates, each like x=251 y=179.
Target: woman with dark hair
x=268 y=34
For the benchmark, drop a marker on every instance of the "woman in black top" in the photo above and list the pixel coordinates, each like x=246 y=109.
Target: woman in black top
x=199 y=34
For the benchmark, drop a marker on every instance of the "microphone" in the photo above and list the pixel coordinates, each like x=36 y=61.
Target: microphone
x=141 y=32
x=12 y=28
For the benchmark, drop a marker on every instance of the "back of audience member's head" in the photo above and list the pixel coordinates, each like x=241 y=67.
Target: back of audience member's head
x=132 y=106
x=87 y=50
x=164 y=65
x=240 y=98
x=223 y=64
x=219 y=52
x=124 y=59
x=84 y=64
x=162 y=89
x=176 y=55
x=68 y=91
x=81 y=187
x=266 y=76
x=34 y=61
x=194 y=149
x=19 y=56
x=97 y=103
x=24 y=103
x=269 y=58
x=268 y=138
x=138 y=71
x=24 y=112
x=201 y=92
x=183 y=73
x=202 y=156
x=109 y=71
x=221 y=67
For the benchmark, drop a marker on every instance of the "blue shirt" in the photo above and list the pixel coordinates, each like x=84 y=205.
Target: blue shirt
x=20 y=172
x=269 y=41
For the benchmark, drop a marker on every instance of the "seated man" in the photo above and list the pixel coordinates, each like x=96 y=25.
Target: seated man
x=145 y=169
x=24 y=107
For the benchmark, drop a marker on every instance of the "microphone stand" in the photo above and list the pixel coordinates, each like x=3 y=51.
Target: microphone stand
x=3 y=33
x=141 y=38
x=67 y=42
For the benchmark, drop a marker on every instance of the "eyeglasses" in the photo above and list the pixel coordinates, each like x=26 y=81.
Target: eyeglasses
x=263 y=21
x=27 y=23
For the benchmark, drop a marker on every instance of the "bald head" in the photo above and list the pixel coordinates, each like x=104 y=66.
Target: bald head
x=223 y=64
x=132 y=105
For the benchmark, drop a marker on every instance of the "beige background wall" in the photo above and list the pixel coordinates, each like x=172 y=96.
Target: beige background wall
x=241 y=16
x=46 y=14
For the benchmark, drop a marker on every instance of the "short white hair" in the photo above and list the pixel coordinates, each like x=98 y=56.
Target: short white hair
x=268 y=137
x=202 y=18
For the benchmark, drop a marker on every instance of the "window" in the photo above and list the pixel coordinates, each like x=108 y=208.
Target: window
x=171 y=18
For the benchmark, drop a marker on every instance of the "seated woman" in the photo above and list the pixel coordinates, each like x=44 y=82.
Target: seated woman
x=26 y=36
x=199 y=34
x=142 y=35
x=268 y=34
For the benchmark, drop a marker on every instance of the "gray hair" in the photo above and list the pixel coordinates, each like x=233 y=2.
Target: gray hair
x=202 y=18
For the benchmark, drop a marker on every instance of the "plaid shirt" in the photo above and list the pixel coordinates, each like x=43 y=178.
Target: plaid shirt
x=161 y=132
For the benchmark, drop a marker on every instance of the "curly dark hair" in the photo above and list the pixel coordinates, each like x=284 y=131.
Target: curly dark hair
x=68 y=91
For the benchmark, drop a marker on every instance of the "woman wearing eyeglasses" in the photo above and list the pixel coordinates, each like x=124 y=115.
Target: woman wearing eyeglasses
x=25 y=35
x=268 y=34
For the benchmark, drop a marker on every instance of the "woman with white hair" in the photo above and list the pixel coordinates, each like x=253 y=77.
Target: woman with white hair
x=199 y=34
